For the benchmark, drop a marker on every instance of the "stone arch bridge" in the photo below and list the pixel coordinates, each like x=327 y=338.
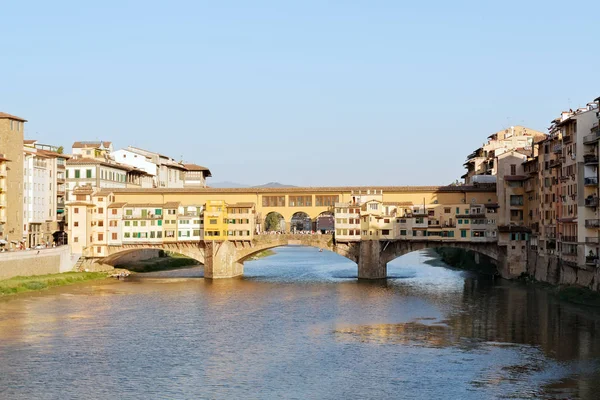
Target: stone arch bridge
x=226 y=259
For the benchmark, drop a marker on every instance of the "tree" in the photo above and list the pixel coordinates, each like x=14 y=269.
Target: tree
x=60 y=150
x=272 y=222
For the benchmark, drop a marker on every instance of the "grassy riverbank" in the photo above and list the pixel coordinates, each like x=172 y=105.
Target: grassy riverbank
x=22 y=284
x=172 y=261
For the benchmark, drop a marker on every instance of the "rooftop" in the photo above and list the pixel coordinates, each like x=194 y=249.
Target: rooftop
x=9 y=116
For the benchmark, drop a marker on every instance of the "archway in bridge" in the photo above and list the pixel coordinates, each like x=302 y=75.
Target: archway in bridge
x=453 y=257
x=152 y=259
x=324 y=222
x=274 y=222
x=300 y=222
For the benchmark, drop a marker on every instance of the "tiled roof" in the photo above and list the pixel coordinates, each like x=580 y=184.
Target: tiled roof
x=103 y=192
x=328 y=189
x=195 y=167
x=84 y=161
x=154 y=205
x=116 y=205
x=80 y=203
x=8 y=116
x=29 y=141
x=172 y=204
x=397 y=203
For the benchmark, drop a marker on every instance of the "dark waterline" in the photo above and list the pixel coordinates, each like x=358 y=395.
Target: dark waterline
x=299 y=325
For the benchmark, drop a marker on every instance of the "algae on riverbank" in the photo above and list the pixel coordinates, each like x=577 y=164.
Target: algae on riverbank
x=262 y=254
x=21 y=284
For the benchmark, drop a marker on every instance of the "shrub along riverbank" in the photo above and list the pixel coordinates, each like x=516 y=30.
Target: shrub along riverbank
x=22 y=284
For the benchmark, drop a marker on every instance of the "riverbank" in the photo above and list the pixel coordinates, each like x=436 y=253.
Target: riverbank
x=23 y=284
x=172 y=261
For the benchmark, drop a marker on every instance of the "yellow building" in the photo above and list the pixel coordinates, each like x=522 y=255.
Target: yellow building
x=215 y=220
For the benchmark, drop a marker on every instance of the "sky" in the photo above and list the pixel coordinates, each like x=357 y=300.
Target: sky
x=309 y=93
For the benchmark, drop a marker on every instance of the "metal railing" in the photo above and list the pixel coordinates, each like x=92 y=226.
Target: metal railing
x=592 y=240
x=592 y=223
x=590 y=181
x=591 y=202
x=589 y=139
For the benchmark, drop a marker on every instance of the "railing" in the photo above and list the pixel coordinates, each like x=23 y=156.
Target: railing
x=592 y=240
x=592 y=223
x=590 y=181
x=567 y=138
x=569 y=239
x=554 y=163
x=557 y=148
x=142 y=217
x=591 y=260
x=590 y=158
x=591 y=202
x=590 y=139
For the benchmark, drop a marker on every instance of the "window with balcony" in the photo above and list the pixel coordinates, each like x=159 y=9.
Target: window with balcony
x=516 y=200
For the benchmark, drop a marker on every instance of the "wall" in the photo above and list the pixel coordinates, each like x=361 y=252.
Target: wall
x=34 y=262
x=550 y=269
x=11 y=144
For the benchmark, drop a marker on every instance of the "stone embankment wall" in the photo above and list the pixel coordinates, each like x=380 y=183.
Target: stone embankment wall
x=548 y=268
x=36 y=262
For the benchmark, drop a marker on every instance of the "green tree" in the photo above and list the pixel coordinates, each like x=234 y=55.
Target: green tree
x=60 y=150
x=272 y=222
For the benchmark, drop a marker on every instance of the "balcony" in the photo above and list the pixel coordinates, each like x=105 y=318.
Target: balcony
x=592 y=138
x=592 y=223
x=591 y=260
x=569 y=239
x=592 y=240
x=590 y=158
x=591 y=201
x=555 y=163
x=567 y=138
x=557 y=149
x=590 y=181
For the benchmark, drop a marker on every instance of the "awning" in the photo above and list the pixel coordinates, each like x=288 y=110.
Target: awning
x=2 y=241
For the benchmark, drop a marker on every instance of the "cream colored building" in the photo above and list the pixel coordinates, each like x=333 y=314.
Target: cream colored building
x=11 y=145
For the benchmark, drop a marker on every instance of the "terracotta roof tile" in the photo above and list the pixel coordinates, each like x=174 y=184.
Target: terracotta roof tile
x=8 y=116
x=116 y=205
x=240 y=205
x=172 y=204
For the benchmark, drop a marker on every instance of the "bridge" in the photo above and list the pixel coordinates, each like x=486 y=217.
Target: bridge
x=225 y=259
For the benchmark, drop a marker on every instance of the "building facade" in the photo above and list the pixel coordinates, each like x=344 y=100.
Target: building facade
x=11 y=199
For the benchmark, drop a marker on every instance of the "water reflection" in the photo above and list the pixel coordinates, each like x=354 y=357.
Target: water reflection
x=299 y=325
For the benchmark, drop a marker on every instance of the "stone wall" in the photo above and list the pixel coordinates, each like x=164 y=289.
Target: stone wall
x=36 y=262
x=550 y=269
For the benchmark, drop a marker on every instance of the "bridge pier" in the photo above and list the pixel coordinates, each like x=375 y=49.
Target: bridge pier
x=220 y=260
x=370 y=263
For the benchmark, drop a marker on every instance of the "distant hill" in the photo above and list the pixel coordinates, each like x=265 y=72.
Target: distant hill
x=227 y=185
x=273 y=185
x=233 y=185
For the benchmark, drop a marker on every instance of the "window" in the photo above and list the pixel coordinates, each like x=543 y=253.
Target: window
x=100 y=236
x=77 y=174
x=321 y=201
x=513 y=169
x=212 y=221
x=99 y=249
x=135 y=223
x=402 y=232
x=113 y=211
x=112 y=223
x=127 y=235
x=273 y=201
x=142 y=223
x=385 y=232
x=516 y=200
x=159 y=222
x=100 y=223
x=447 y=210
x=463 y=233
x=158 y=211
x=114 y=236
x=373 y=206
x=127 y=223
x=75 y=224
x=128 y=212
x=76 y=239
x=457 y=210
x=100 y=210
x=76 y=210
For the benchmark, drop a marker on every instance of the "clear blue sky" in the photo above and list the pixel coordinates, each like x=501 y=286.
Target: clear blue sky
x=301 y=92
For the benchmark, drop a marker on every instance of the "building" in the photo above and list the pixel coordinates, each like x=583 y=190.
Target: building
x=3 y=171
x=140 y=162
x=195 y=176
x=482 y=160
x=11 y=199
x=170 y=173
x=93 y=149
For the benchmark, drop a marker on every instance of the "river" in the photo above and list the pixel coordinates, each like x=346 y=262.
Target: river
x=299 y=326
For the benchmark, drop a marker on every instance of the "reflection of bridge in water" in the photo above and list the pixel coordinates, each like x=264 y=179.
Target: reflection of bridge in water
x=225 y=259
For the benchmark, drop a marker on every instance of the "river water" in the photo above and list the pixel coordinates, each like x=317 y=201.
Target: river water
x=299 y=326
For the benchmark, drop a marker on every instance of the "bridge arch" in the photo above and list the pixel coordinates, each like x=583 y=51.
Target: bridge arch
x=318 y=241
x=399 y=248
x=117 y=254
x=274 y=222
x=300 y=222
